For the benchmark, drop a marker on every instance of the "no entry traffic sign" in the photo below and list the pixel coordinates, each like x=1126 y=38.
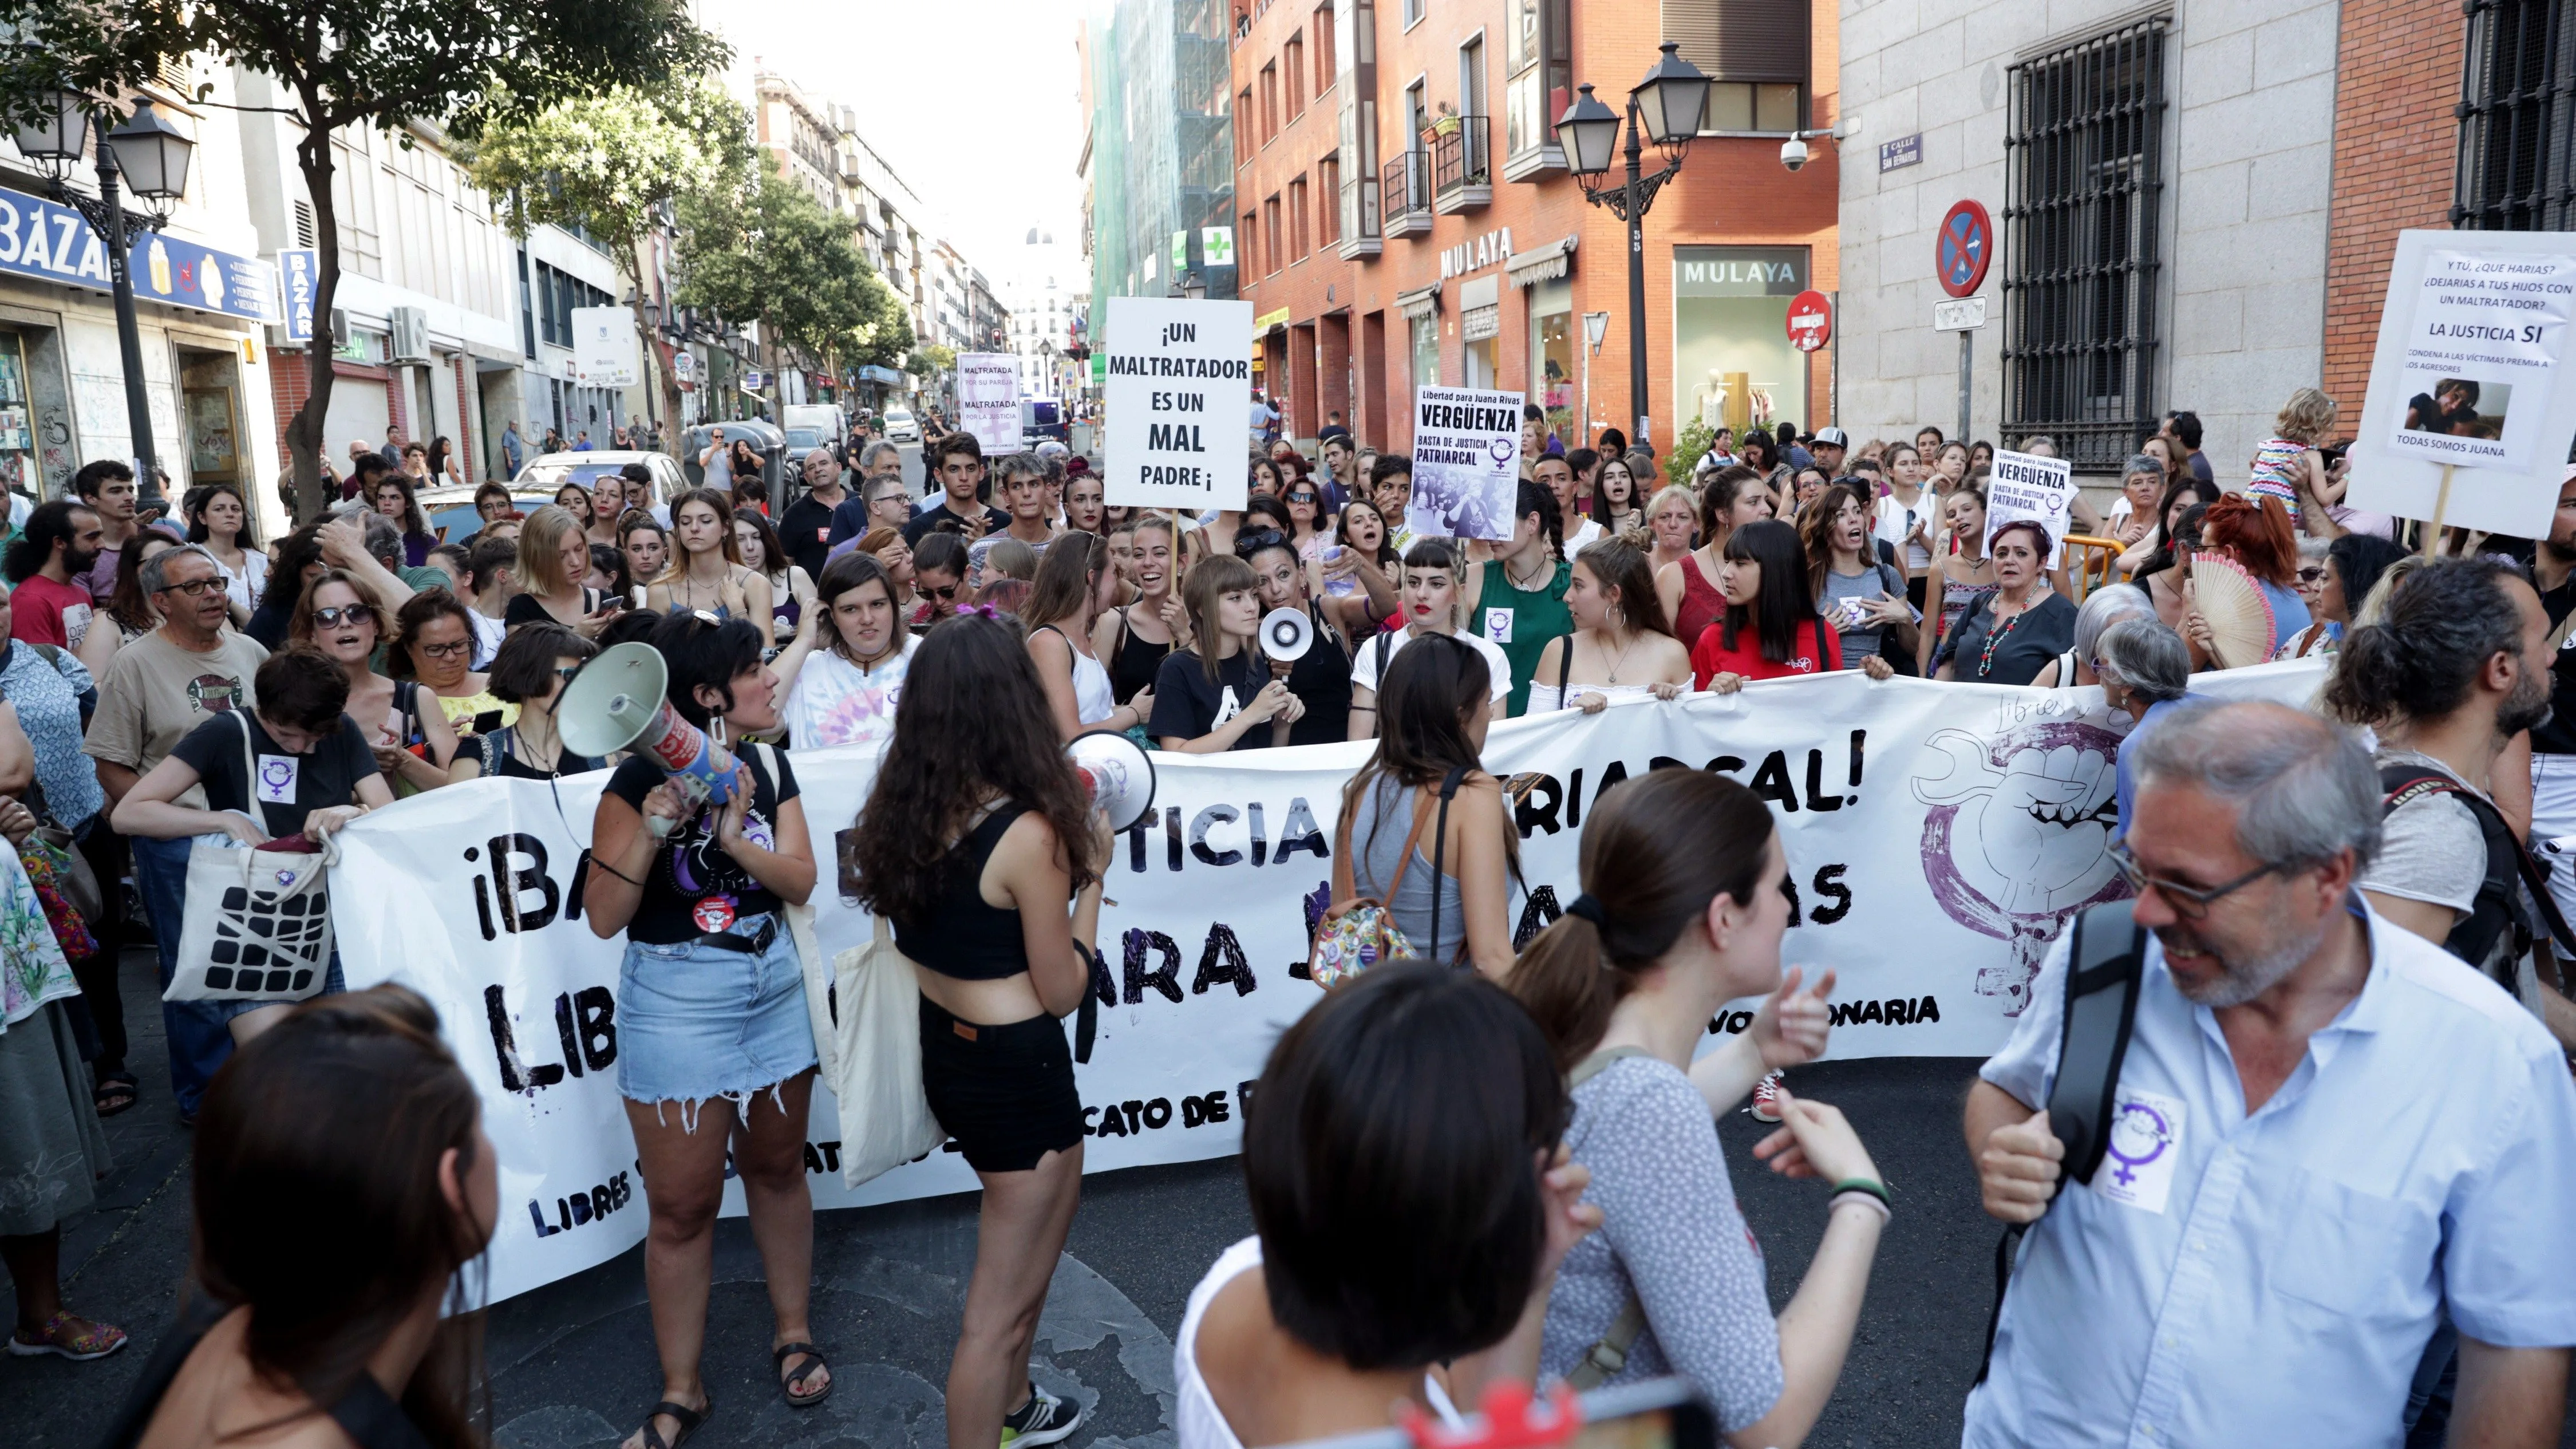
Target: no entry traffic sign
x=1811 y=321
x=1965 y=245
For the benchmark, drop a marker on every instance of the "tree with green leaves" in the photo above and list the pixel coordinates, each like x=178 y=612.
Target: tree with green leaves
x=617 y=164
x=344 y=63
x=781 y=260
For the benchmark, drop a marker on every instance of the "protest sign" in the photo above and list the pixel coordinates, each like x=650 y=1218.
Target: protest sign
x=1937 y=836
x=988 y=400
x=2468 y=375
x=2025 y=485
x=1466 y=463
x=1179 y=387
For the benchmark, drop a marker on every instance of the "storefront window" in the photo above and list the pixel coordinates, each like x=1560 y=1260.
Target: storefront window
x=1426 y=349
x=17 y=439
x=211 y=411
x=1551 y=357
x=1732 y=362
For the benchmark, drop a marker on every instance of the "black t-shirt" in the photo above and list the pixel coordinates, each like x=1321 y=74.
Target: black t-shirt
x=1321 y=680
x=1186 y=706
x=2558 y=736
x=927 y=520
x=292 y=786
x=513 y=762
x=692 y=887
x=806 y=531
x=527 y=609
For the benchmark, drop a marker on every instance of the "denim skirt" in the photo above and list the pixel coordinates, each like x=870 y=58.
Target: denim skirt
x=697 y=1021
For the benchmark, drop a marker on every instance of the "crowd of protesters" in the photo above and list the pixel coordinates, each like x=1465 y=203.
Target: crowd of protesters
x=1489 y=1161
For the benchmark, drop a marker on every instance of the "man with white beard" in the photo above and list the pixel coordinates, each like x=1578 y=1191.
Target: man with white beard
x=2328 y=1136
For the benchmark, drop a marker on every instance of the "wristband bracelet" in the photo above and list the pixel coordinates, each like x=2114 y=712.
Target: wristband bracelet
x=1871 y=1186
x=1859 y=1198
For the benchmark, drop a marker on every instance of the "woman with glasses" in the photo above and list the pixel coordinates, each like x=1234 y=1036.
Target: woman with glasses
x=939 y=576
x=410 y=735
x=554 y=576
x=492 y=503
x=1308 y=529
x=528 y=677
x=434 y=646
x=716 y=1054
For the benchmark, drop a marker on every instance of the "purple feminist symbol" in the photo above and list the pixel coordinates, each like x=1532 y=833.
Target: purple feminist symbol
x=277 y=773
x=2148 y=1123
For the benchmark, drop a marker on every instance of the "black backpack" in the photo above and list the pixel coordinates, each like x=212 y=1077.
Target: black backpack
x=2497 y=910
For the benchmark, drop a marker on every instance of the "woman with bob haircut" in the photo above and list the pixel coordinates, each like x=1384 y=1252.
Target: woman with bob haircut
x=979 y=846
x=1683 y=908
x=1410 y=1204
x=300 y=1327
x=840 y=676
x=554 y=576
x=1769 y=628
x=711 y=1010
x=1220 y=696
x=529 y=674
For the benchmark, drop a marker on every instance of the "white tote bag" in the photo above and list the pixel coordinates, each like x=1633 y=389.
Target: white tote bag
x=885 y=1115
x=259 y=921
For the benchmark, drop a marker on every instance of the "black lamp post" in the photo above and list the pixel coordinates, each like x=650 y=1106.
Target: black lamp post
x=1665 y=107
x=150 y=156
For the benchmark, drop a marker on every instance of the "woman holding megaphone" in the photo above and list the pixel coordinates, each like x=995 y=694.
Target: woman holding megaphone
x=711 y=1008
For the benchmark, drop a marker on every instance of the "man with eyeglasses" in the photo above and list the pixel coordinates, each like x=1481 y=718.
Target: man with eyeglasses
x=155 y=691
x=2328 y=1137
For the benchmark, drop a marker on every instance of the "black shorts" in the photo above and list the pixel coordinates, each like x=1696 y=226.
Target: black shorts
x=1004 y=1093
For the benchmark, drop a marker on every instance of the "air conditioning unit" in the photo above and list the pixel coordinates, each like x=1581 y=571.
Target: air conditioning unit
x=339 y=329
x=409 y=333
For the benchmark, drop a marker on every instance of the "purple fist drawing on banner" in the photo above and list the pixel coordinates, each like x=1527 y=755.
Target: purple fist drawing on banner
x=2018 y=838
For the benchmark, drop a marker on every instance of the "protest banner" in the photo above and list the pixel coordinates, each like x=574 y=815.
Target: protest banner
x=988 y=400
x=2025 y=485
x=2468 y=416
x=1179 y=388
x=1937 y=836
x=1466 y=463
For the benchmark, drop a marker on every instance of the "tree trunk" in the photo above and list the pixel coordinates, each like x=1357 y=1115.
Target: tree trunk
x=304 y=439
x=657 y=375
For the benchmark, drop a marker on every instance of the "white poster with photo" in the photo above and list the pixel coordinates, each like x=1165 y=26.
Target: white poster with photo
x=1466 y=463
x=2027 y=486
x=2468 y=372
x=1179 y=388
x=1937 y=835
x=2488 y=329
x=988 y=400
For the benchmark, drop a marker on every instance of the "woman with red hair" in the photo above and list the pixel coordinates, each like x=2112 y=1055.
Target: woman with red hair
x=2257 y=534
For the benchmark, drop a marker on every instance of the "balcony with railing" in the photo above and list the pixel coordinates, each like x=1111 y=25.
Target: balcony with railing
x=1462 y=169
x=1404 y=190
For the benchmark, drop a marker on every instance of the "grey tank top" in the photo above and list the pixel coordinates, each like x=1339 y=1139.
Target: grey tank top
x=1378 y=828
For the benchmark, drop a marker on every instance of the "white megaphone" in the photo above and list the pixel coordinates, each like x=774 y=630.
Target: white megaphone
x=1287 y=634
x=615 y=703
x=1118 y=773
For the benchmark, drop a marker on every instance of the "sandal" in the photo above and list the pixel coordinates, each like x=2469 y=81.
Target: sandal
x=688 y=1419
x=116 y=1091
x=794 y=1379
x=98 y=1340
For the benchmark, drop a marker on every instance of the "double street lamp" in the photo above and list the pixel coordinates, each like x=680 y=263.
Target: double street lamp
x=1664 y=108
x=150 y=157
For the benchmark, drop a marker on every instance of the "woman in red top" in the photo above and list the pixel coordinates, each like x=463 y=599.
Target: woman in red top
x=1689 y=590
x=1770 y=627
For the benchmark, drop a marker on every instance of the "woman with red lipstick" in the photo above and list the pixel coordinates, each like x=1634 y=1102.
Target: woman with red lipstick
x=1431 y=605
x=402 y=722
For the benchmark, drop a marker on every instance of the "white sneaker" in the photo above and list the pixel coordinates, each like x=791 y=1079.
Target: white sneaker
x=1766 y=1099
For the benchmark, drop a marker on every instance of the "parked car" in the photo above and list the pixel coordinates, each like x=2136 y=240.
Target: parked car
x=764 y=438
x=901 y=426
x=809 y=426
x=451 y=509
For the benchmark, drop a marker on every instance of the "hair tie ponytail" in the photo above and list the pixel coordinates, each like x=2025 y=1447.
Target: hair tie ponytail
x=1589 y=909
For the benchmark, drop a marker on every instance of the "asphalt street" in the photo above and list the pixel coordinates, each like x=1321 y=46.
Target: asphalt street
x=572 y=1364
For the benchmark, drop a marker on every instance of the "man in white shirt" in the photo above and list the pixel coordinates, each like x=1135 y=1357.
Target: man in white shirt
x=2329 y=1137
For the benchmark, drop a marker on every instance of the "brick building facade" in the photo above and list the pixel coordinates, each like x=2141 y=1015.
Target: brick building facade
x=1404 y=215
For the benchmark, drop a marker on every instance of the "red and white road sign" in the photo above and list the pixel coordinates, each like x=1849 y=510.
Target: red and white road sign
x=1811 y=321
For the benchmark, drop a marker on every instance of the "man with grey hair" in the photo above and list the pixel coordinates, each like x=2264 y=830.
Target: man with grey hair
x=154 y=692
x=878 y=461
x=805 y=529
x=2145 y=670
x=2327 y=1136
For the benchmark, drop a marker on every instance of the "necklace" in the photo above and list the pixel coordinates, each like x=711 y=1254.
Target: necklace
x=1986 y=656
x=1546 y=571
x=1622 y=659
x=528 y=748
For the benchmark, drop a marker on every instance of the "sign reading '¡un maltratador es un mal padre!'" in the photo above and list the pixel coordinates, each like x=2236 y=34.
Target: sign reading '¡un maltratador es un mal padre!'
x=1178 y=396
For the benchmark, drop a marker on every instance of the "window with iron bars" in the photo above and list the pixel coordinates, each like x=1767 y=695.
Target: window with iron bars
x=2084 y=168
x=2517 y=165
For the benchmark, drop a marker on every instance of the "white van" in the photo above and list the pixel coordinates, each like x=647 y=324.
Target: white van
x=809 y=426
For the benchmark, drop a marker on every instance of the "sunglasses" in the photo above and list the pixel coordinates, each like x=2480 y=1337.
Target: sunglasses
x=2311 y=575
x=565 y=672
x=338 y=614
x=1303 y=498
x=943 y=595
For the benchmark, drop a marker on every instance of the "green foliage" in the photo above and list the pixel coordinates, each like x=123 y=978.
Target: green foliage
x=610 y=162
x=1696 y=438
x=781 y=260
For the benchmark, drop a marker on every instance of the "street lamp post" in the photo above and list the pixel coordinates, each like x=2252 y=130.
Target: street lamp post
x=149 y=155
x=1665 y=107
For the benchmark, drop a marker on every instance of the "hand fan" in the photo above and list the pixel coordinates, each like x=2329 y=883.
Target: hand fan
x=2239 y=615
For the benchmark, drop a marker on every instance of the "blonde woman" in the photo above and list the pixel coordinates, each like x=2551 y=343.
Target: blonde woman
x=2288 y=467
x=1672 y=523
x=554 y=566
x=706 y=573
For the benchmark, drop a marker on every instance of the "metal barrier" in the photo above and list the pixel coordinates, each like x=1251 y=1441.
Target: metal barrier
x=2097 y=563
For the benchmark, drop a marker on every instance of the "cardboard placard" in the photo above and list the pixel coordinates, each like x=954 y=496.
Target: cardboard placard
x=1179 y=388
x=1466 y=463
x=2027 y=486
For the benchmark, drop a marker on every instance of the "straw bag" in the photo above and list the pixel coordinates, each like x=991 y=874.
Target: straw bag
x=1357 y=931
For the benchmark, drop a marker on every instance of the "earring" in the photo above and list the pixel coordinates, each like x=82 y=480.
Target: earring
x=716 y=729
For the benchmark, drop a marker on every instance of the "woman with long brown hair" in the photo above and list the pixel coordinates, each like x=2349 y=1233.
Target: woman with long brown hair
x=1859 y=595
x=979 y=846
x=1074 y=587
x=1219 y=695
x=1683 y=909
x=1689 y=589
x=366 y=1314
x=395 y=500
x=1621 y=647
x=706 y=571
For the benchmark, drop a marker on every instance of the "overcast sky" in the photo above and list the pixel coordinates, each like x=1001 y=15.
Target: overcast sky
x=975 y=103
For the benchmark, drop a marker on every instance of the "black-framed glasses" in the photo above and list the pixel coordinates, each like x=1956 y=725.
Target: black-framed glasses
x=943 y=594
x=193 y=588
x=2192 y=903
x=444 y=651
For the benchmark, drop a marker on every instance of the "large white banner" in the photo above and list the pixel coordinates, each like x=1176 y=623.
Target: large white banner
x=988 y=400
x=1179 y=388
x=1937 y=836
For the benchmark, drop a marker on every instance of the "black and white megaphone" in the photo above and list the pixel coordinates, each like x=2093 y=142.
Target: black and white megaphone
x=616 y=703
x=1287 y=634
x=1119 y=774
